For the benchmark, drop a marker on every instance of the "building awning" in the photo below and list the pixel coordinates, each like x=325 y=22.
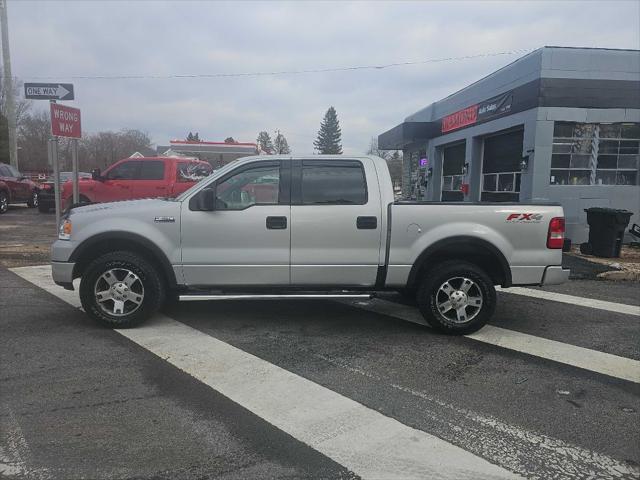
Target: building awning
x=406 y=133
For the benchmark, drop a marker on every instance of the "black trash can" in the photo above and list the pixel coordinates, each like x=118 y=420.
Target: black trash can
x=606 y=231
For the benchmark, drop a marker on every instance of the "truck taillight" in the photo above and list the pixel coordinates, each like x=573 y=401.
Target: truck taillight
x=555 y=237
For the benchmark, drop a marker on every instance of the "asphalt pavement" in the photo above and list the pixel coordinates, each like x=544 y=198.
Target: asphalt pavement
x=318 y=389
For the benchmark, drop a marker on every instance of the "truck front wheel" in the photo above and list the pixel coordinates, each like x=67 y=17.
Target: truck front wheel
x=456 y=297
x=121 y=289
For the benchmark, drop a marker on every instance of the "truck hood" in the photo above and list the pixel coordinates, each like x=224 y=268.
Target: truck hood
x=145 y=207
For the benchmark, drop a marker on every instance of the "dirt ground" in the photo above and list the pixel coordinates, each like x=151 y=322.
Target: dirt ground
x=25 y=236
x=626 y=267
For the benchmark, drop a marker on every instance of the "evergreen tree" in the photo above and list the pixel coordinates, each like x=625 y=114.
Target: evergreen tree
x=229 y=140
x=190 y=137
x=193 y=138
x=329 y=139
x=281 y=146
x=264 y=142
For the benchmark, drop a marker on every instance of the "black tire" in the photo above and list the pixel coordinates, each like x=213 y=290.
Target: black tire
x=431 y=294
x=34 y=200
x=149 y=282
x=4 y=202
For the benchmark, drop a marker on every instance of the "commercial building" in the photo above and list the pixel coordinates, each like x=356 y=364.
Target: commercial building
x=560 y=124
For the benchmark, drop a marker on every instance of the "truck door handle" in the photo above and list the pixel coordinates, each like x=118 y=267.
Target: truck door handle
x=276 y=223
x=367 y=223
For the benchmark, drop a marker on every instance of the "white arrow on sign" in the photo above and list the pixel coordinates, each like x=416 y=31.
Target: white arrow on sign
x=61 y=91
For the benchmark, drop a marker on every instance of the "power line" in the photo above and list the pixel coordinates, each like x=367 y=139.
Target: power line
x=284 y=72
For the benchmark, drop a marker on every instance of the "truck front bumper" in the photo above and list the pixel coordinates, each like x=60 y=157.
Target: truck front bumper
x=62 y=273
x=555 y=275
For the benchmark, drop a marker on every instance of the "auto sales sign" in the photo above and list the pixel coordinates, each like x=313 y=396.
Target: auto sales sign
x=65 y=121
x=494 y=107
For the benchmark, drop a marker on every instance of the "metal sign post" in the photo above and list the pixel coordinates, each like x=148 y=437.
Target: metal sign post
x=74 y=167
x=65 y=122
x=53 y=158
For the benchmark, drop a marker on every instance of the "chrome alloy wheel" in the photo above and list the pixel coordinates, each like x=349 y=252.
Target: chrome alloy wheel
x=4 y=203
x=459 y=300
x=119 y=292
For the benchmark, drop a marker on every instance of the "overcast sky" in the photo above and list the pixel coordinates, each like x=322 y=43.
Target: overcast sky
x=64 y=39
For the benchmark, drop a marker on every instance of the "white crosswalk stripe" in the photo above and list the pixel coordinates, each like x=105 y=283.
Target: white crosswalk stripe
x=587 y=359
x=361 y=439
x=573 y=300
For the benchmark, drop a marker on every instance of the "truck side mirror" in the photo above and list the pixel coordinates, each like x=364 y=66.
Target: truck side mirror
x=96 y=174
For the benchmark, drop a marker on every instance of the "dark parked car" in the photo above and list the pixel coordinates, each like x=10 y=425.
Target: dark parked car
x=18 y=188
x=47 y=198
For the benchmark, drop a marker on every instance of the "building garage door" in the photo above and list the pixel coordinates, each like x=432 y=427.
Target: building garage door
x=501 y=167
x=452 y=172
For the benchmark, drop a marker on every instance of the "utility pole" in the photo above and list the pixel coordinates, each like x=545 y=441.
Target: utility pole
x=7 y=84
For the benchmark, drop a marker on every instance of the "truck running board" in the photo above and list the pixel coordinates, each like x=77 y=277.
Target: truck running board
x=196 y=297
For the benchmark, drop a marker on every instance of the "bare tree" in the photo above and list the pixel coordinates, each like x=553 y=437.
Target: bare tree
x=393 y=159
x=374 y=150
x=22 y=104
x=34 y=132
x=101 y=149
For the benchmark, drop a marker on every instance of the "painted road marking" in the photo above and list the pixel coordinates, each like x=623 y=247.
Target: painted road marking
x=526 y=452
x=243 y=377
x=361 y=439
x=573 y=300
x=585 y=358
x=15 y=454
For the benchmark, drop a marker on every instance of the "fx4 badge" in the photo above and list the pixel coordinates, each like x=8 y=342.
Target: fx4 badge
x=524 y=218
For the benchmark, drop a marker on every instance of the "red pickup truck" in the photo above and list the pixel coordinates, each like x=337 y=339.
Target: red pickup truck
x=139 y=178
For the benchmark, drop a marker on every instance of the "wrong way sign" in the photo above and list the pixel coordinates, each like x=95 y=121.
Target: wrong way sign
x=65 y=121
x=48 y=91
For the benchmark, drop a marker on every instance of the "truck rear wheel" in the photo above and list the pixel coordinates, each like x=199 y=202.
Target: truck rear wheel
x=456 y=297
x=121 y=289
x=33 y=199
x=4 y=202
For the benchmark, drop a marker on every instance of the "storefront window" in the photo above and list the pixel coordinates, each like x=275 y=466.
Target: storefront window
x=595 y=154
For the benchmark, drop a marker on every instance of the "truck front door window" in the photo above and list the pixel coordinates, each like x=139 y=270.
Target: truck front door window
x=124 y=171
x=255 y=186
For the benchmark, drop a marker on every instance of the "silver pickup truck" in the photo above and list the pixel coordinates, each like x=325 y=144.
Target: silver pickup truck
x=311 y=227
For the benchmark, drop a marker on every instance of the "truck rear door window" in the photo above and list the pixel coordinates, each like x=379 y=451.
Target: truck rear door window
x=152 y=170
x=333 y=183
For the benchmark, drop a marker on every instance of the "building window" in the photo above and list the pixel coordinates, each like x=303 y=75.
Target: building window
x=501 y=182
x=595 y=154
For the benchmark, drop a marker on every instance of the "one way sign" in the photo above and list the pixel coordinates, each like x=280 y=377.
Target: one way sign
x=48 y=91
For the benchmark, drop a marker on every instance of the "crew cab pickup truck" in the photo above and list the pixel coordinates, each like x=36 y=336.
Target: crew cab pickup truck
x=133 y=178
x=318 y=226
